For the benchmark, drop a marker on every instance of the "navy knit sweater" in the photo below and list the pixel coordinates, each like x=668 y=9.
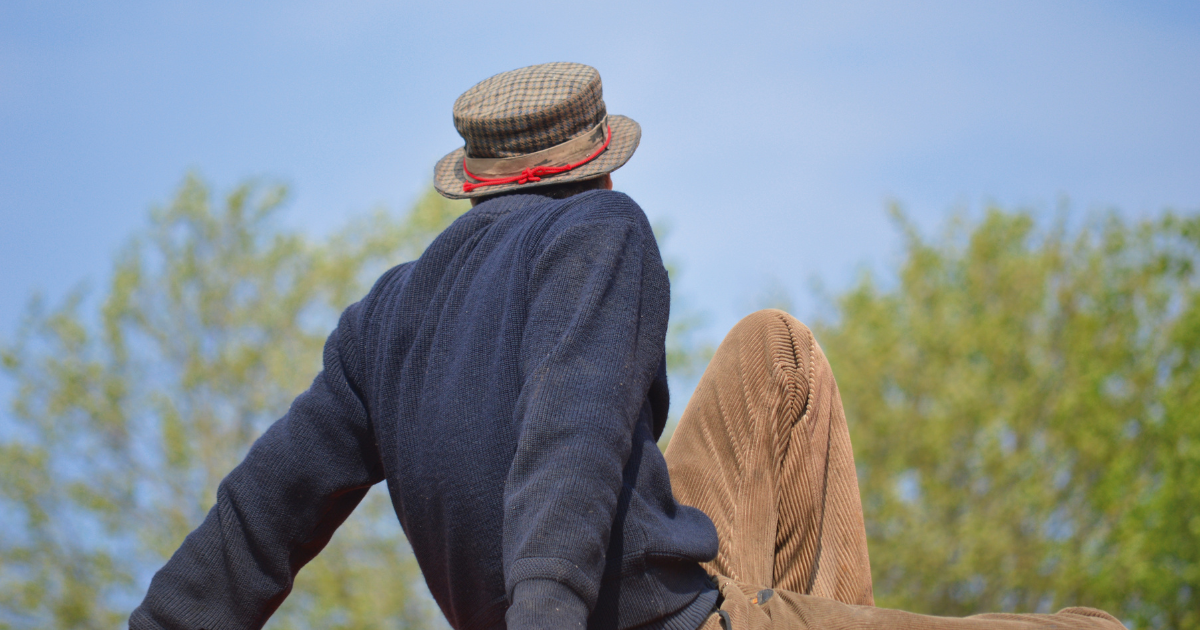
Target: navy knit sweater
x=510 y=386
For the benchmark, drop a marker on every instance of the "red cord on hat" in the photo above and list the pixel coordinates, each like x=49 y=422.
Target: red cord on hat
x=531 y=174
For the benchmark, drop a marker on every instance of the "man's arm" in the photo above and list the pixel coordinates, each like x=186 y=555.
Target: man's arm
x=277 y=509
x=599 y=300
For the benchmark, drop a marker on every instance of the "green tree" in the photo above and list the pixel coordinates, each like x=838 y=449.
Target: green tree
x=126 y=417
x=1026 y=417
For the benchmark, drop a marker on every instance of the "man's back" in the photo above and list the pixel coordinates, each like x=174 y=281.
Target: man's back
x=513 y=329
x=510 y=386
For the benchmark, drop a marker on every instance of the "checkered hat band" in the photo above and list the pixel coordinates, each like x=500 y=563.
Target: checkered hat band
x=533 y=174
x=559 y=155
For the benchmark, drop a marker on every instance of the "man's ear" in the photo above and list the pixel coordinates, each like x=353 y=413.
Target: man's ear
x=607 y=183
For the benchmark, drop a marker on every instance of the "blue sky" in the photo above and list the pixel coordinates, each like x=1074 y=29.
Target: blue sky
x=774 y=133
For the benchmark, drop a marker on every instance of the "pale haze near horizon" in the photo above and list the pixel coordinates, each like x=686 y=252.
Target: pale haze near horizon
x=774 y=134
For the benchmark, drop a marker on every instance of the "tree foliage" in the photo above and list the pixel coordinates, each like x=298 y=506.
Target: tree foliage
x=1026 y=418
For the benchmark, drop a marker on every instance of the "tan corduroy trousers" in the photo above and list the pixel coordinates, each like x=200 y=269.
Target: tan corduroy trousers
x=764 y=450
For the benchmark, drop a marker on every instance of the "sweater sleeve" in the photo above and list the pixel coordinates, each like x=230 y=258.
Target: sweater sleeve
x=276 y=510
x=598 y=306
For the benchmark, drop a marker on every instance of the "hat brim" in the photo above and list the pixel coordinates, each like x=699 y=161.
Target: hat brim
x=448 y=176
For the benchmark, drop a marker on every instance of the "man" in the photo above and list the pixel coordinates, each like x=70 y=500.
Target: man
x=510 y=386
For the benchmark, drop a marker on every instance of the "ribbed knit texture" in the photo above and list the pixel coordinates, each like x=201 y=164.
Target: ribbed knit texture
x=510 y=386
x=763 y=448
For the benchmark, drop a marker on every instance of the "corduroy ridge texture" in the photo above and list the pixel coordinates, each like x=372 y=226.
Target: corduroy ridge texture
x=528 y=110
x=785 y=497
x=510 y=386
x=763 y=448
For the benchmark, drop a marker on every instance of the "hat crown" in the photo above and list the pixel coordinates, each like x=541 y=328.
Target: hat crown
x=529 y=109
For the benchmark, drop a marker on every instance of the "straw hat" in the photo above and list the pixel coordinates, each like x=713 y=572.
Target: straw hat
x=531 y=127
